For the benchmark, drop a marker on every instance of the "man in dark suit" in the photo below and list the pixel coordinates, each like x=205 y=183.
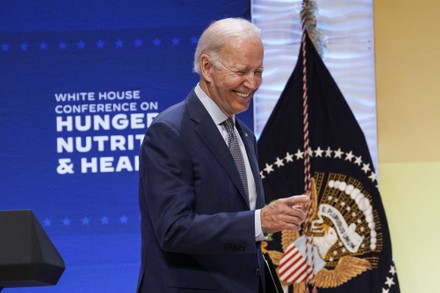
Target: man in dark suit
x=202 y=203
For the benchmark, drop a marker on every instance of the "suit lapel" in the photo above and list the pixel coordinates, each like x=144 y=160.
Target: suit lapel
x=209 y=134
x=248 y=140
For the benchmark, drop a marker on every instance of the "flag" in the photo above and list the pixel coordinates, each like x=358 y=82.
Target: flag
x=348 y=222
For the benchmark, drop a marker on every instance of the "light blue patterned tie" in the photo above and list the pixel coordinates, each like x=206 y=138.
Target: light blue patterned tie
x=234 y=148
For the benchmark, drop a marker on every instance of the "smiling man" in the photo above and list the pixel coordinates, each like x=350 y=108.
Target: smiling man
x=231 y=75
x=200 y=194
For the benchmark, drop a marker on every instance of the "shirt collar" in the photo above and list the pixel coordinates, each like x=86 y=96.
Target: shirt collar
x=214 y=111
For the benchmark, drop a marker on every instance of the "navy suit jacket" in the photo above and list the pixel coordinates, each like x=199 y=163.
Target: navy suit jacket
x=197 y=229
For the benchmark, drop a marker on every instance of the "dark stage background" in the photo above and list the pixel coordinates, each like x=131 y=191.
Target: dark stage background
x=80 y=82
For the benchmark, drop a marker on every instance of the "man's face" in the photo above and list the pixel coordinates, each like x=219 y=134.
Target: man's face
x=237 y=76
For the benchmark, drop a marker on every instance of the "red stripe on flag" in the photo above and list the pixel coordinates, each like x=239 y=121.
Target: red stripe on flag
x=288 y=258
x=295 y=273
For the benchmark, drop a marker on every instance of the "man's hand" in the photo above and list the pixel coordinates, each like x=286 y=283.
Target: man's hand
x=284 y=214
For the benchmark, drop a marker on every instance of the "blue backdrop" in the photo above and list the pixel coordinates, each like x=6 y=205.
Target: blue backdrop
x=80 y=82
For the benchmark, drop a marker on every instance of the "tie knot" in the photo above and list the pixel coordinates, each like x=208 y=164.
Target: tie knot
x=229 y=124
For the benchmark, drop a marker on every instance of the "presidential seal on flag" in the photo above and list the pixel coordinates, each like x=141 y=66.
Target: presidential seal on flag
x=344 y=235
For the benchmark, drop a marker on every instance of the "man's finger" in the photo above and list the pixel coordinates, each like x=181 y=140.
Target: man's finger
x=297 y=199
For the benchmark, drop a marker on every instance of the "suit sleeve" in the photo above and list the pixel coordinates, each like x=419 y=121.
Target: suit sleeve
x=168 y=197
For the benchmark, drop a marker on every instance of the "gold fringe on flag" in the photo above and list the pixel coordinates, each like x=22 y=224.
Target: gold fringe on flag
x=310 y=10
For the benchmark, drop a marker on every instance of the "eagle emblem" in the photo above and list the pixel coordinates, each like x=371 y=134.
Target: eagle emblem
x=344 y=232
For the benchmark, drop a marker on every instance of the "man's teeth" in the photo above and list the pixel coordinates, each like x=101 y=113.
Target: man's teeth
x=242 y=94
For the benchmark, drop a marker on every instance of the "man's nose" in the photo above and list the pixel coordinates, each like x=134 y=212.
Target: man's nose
x=252 y=81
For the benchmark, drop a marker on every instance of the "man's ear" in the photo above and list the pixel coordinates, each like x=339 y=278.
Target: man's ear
x=205 y=68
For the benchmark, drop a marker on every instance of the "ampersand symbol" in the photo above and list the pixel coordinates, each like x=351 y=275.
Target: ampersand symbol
x=65 y=166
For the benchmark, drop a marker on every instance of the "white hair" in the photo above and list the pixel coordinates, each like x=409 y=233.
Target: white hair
x=215 y=36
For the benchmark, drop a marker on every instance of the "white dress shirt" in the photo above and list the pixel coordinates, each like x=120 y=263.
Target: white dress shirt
x=219 y=117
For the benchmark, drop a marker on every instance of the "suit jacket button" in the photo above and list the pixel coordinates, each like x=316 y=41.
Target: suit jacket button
x=257 y=272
